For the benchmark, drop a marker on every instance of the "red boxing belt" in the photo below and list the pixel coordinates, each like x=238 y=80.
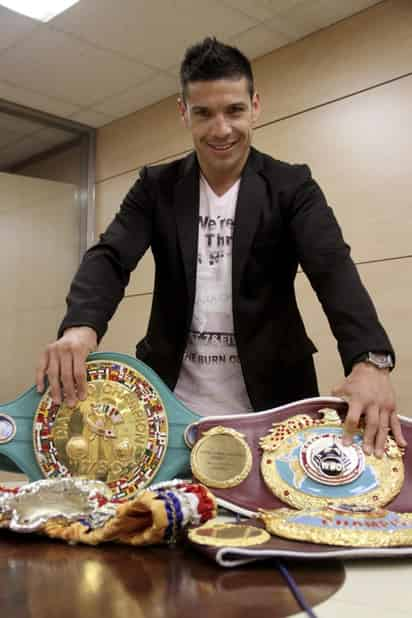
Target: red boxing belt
x=293 y=456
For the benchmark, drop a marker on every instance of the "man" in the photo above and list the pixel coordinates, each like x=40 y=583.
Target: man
x=228 y=226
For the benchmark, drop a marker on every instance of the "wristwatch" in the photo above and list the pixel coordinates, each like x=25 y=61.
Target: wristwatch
x=377 y=359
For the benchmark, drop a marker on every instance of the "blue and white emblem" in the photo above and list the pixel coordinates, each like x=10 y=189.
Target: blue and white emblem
x=326 y=460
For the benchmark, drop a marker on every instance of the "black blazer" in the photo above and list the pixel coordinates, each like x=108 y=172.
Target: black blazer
x=282 y=220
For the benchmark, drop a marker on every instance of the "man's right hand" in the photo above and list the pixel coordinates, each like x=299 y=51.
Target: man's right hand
x=63 y=362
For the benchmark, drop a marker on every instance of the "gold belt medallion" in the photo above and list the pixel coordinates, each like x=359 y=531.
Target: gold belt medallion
x=215 y=534
x=221 y=458
x=343 y=524
x=117 y=435
x=305 y=464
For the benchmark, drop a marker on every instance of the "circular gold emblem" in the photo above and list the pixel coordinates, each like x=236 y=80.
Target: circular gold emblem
x=117 y=435
x=221 y=458
x=215 y=534
x=305 y=464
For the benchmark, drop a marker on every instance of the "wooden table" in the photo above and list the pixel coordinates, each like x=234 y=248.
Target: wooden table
x=40 y=578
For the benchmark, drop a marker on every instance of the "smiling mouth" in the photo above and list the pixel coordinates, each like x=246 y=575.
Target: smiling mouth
x=221 y=147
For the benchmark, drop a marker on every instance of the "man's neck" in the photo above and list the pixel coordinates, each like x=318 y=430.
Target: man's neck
x=221 y=186
x=220 y=183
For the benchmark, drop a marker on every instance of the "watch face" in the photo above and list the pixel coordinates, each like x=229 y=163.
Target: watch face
x=382 y=361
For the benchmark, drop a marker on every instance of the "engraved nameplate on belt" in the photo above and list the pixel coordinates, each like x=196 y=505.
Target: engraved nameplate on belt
x=217 y=534
x=221 y=458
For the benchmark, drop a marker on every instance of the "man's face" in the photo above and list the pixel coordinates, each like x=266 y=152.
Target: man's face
x=220 y=115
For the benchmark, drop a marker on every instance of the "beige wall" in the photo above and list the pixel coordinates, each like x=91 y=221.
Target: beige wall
x=39 y=220
x=338 y=100
x=39 y=249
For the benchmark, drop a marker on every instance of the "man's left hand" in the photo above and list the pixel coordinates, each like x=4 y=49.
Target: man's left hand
x=369 y=392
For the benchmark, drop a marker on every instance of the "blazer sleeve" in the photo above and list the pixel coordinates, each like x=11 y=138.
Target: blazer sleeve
x=325 y=259
x=104 y=272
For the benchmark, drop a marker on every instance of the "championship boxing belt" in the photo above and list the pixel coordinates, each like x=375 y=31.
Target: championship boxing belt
x=131 y=431
x=293 y=456
x=128 y=432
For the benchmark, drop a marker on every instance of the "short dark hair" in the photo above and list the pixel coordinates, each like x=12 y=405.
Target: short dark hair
x=210 y=59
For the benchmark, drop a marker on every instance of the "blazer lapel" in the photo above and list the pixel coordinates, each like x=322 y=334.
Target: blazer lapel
x=186 y=206
x=252 y=195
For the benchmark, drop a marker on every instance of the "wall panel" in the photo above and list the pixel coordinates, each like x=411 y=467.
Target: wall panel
x=128 y=325
x=109 y=196
x=39 y=247
x=26 y=334
x=356 y=53
x=390 y=285
x=358 y=150
x=150 y=134
x=367 y=49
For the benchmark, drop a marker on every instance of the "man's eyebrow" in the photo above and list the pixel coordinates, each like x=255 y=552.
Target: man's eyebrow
x=235 y=105
x=199 y=108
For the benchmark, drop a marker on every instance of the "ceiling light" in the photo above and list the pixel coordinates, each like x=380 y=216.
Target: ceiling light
x=43 y=10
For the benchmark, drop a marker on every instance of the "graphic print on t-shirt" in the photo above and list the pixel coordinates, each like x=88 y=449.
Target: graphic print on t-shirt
x=216 y=241
x=211 y=381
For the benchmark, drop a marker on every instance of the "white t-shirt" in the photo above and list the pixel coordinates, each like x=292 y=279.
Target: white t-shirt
x=210 y=380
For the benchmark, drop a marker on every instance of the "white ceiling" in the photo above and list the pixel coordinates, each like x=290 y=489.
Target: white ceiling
x=103 y=59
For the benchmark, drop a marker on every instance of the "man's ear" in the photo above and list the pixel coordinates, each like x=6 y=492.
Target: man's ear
x=183 y=111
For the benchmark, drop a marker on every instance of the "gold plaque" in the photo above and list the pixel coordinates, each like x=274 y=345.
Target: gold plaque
x=215 y=534
x=221 y=458
x=117 y=435
x=305 y=464
x=344 y=524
